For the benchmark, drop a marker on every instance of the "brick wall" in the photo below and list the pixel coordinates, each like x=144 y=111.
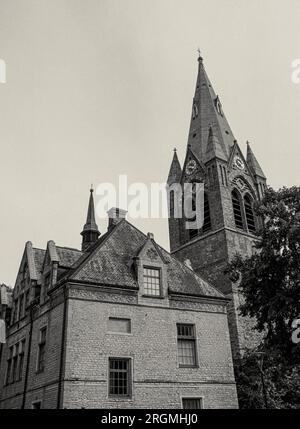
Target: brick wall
x=43 y=386
x=157 y=379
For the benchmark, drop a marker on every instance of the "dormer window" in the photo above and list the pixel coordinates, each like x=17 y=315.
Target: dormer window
x=152 y=281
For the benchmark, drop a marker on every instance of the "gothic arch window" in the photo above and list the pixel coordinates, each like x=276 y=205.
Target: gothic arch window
x=172 y=198
x=237 y=209
x=206 y=220
x=248 y=203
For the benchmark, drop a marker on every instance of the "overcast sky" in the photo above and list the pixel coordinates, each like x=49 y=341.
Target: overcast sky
x=98 y=88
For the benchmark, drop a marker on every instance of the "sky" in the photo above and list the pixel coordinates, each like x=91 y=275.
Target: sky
x=99 y=88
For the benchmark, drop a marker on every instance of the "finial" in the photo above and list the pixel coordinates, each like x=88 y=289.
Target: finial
x=175 y=150
x=199 y=55
x=248 y=143
x=92 y=188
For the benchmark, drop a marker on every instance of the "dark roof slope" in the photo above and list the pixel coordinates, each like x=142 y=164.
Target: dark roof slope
x=110 y=262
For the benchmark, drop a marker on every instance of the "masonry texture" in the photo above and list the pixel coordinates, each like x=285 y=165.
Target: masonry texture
x=122 y=322
x=74 y=295
x=232 y=185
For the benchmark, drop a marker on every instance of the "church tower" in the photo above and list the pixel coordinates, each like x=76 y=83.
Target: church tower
x=232 y=184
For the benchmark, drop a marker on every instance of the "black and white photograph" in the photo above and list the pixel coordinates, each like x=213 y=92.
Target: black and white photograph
x=149 y=208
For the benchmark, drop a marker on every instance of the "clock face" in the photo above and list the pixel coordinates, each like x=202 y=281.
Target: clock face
x=239 y=163
x=191 y=167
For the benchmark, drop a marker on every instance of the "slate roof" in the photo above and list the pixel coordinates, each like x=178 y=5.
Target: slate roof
x=110 y=260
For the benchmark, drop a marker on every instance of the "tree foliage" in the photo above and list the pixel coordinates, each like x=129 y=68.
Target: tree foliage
x=269 y=281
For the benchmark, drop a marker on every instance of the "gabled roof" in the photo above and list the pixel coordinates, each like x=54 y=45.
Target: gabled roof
x=110 y=263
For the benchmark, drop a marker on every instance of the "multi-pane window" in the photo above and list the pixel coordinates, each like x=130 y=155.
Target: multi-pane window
x=9 y=364
x=152 y=281
x=15 y=362
x=192 y=403
x=41 y=350
x=21 y=360
x=119 y=377
x=186 y=339
x=249 y=214
x=118 y=325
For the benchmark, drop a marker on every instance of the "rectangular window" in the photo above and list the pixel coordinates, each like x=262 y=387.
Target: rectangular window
x=192 y=403
x=41 y=350
x=119 y=377
x=186 y=345
x=152 y=281
x=9 y=363
x=21 y=359
x=118 y=325
x=26 y=299
x=21 y=306
x=15 y=362
x=37 y=405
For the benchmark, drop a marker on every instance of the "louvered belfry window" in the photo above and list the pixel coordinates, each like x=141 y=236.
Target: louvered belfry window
x=237 y=210
x=249 y=214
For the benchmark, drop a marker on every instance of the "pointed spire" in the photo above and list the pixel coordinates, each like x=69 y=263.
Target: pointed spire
x=214 y=148
x=90 y=231
x=253 y=163
x=207 y=110
x=175 y=170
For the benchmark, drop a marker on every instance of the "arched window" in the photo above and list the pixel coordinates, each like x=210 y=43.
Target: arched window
x=248 y=202
x=206 y=221
x=172 y=198
x=237 y=210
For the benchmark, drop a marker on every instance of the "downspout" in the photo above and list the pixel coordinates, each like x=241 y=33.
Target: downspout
x=62 y=351
x=28 y=358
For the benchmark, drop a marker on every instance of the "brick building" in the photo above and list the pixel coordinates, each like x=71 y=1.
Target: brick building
x=232 y=184
x=119 y=324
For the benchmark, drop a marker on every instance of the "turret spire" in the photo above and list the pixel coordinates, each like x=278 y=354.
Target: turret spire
x=90 y=231
x=175 y=170
x=253 y=163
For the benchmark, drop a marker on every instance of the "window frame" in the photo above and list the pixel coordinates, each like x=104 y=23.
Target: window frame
x=9 y=365
x=248 y=205
x=22 y=345
x=129 y=396
x=159 y=270
x=41 y=344
x=236 y=196
x=187 y=338
x=193 y=398
x=36 y=402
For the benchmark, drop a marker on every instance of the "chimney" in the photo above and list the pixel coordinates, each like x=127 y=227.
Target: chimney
x=115 y=215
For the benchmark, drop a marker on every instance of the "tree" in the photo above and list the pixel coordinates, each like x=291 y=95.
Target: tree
x=269 y=282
